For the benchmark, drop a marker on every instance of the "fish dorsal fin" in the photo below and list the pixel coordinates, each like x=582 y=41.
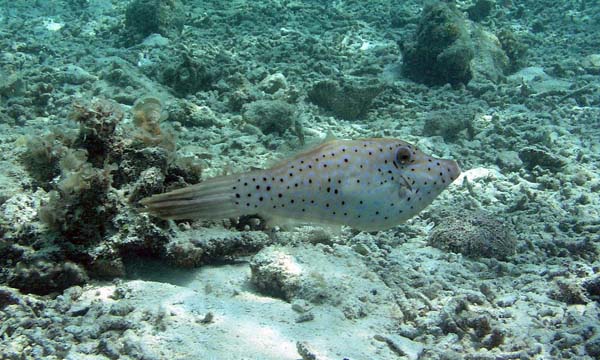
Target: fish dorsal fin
x=310 y=146
x=330 y=136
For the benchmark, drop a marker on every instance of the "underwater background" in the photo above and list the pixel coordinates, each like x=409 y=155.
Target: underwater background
x=103 y=103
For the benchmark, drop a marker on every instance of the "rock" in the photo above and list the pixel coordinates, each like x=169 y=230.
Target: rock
x=592 y=347
x=474 y=235
x=305 y=317
x=490 y=63
x=20 y=210
x=441 y=50
x=187 y=73
x=592 y=288
x=402 y=346
x=569 y=292
x=108 y=349
x=156 y=40
x=506 y=301
x=190 y=114
x=514 y=47
x=79 y=309
x=481 y=9
x=45 y=277
x=74 y=75
x=205 y=245
x=121 y=309
x=276 y=273
x=349 y=100
x=8 y=296
x=305 y=351
x=12 y=85
x=272 y=83
x=591 y=64
x=145 y=17
x=450 y=124
x=270 y=116
x=509 y=160
x=537 y=156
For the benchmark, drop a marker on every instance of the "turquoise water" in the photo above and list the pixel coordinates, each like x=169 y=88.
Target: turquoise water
x=105 y=103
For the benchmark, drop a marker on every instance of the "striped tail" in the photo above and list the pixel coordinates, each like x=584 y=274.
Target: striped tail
x=211 y=199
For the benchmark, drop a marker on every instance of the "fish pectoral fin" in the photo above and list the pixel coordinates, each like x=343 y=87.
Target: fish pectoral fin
x=288 y=224
x=273 y=221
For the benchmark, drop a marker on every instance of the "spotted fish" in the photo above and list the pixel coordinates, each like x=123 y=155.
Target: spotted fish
x=369 y=184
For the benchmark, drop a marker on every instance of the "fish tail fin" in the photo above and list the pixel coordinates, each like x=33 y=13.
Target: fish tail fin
x=210 y=199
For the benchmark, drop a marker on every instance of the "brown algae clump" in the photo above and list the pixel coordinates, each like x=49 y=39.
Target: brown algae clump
x=148 y=113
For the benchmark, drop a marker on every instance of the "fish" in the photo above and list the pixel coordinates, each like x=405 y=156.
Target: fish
x=369 y=184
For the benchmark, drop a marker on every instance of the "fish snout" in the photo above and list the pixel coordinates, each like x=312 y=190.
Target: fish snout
x=452 y=168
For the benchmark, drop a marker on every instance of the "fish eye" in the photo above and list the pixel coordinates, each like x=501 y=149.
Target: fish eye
x=404 y=155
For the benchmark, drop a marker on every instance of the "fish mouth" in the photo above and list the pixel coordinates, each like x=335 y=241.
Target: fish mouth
x=453 y=169
x=407 y=181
